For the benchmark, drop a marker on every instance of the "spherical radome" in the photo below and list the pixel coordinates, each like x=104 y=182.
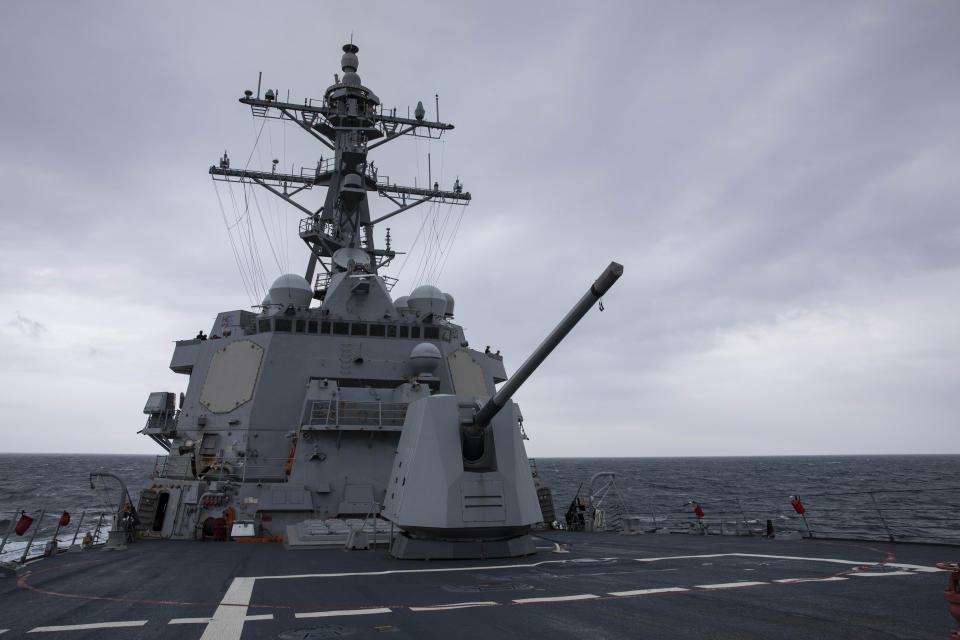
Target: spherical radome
x=425 y=358
x=427 y=299
x=450 y=302
x=291 y=289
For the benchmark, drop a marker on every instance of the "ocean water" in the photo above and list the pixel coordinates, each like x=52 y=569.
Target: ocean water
x=910 y=497
x=913 y=498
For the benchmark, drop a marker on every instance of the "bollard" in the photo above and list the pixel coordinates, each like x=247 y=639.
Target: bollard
x=952 y=593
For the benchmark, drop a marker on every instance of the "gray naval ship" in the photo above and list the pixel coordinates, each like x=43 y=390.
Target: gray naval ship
x=343 y=464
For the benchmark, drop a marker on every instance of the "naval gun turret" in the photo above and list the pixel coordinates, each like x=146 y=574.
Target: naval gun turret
x=461 y=485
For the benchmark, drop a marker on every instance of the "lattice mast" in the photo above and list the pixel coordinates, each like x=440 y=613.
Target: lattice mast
x=349 y=121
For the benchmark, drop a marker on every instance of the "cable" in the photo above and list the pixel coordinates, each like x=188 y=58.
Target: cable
x=233 y=245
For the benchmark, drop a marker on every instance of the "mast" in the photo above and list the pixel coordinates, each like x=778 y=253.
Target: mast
x=350 y=122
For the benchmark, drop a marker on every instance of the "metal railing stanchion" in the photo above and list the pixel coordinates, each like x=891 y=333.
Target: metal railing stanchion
x=32 y=536
x=882 y=520
x=77 y=532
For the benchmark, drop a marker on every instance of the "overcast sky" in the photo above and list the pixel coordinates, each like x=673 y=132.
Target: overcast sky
x=781 y=182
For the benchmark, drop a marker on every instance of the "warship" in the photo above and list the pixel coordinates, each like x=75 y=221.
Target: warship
x=342 y=463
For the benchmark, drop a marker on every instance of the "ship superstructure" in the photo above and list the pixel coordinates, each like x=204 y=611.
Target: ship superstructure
x=294 y=411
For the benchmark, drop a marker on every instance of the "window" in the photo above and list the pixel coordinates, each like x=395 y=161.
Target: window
x=392 y=331
x=312 y=326
x=282 y=324
x=263 y=326
x=378 y=330
x=341 y=328
x=431 y=333
x=404 y=332
x=301 y=326
x=415 y=332
x=324 y=327
x=358 y=329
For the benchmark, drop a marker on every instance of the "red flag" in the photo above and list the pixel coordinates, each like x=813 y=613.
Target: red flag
x=64 y=519
x=23 y=524
x=697 y=510
x=797 y=506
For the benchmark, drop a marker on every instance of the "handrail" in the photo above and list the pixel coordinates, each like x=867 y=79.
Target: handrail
x=47 y=535
x=855 y=515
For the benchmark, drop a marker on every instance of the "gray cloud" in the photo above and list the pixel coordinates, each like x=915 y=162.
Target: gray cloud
x=27 y=326
x=780 y=182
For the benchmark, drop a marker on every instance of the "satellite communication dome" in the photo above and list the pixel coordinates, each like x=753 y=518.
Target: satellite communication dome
x=427 y=299
x=402 y=302
x=425 y=358
x=351 y=79
x=266 y=301
x=448 y=312
x=343 y=257
x=290 y=289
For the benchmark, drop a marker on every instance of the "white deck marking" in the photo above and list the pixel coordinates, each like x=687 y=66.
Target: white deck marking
x=93 y=625
x=878 y=574
x=729 y=585
x=898 y=565
x=389 y=572
x=456 y=605
x=228 y=619
x=227 y=622
x=643 y=592
x=915 y=567
x=343 y=612
x=793 y=580
x=580 y=596
x=266 y=616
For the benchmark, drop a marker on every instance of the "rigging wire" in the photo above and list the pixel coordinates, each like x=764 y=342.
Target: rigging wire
x=263 y=223
x=435 y=263
x=244 y=242
x=255 y=265
x=255 y=253
x=453 y=236
x=233 y=246
x=413 y=246
x=428 y=245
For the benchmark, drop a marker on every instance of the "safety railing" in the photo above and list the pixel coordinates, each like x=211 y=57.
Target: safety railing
x=31 y=535
x=367 y=414
x=927 y=515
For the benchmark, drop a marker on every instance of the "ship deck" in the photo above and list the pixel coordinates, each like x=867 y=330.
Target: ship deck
x=608 y=585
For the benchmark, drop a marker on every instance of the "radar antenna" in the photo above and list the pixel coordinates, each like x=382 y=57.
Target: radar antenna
x=350 y=121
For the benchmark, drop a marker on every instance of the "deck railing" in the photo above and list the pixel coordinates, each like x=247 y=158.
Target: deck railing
x=46 y=536
x=927 y=515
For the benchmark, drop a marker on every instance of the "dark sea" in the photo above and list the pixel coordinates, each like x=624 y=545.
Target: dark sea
x=908 y=498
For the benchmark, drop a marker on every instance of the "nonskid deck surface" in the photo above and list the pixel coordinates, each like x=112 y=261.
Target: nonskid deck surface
x=608 y=585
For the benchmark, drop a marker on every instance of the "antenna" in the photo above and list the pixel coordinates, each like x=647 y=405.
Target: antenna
x=436 y=99
x=259 y=79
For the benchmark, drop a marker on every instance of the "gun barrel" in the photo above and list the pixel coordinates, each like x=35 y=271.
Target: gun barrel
x=597 y=289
